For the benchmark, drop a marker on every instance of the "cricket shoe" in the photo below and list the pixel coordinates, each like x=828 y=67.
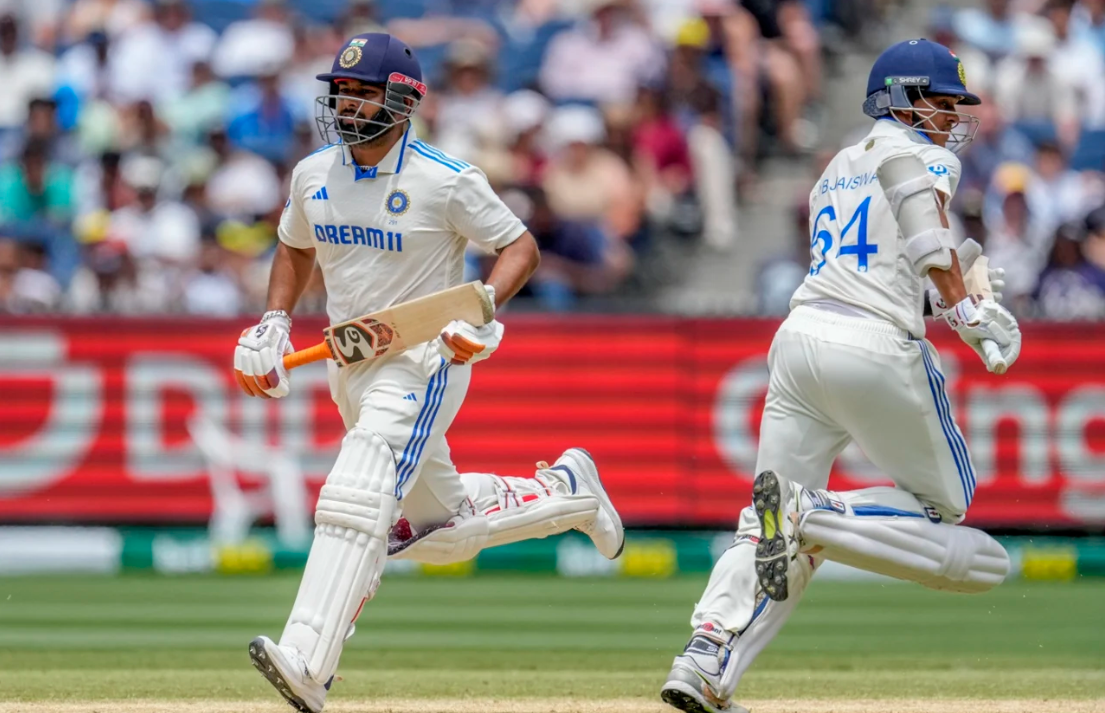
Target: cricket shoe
x=775 y=499
x=286 y=670
x=606 y=529
x=694 y=684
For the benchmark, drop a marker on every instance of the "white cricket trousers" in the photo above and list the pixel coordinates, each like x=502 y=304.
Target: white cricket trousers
x=837 y=378
x=410 y=399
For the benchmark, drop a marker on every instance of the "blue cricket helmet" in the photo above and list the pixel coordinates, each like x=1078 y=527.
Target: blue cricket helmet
x=920 y=63
x=374 y=58
x=919 y=68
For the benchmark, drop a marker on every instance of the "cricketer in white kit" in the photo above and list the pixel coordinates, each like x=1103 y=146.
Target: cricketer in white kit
x=850 y=363
x=388 y=217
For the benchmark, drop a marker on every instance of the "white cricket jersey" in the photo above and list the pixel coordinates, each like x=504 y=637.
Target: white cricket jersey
x=857 y=253
x=393 y=232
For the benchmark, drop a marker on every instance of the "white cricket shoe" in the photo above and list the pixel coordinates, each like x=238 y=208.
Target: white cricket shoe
x=286 y=670
x=606 y=530
x=694 y=684
x=775 y=499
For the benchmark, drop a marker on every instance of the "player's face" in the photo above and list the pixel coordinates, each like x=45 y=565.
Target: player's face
x=939 y=122
x=352 y=91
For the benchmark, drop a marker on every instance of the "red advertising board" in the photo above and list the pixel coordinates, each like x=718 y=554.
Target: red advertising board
x=94 y=413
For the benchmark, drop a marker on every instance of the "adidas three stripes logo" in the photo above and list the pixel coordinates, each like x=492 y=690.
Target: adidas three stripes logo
x=320 y=195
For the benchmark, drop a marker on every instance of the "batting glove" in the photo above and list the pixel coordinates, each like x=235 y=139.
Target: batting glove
x=968 y=252
x=986 y=319
x=259 y=357
x=462 y=343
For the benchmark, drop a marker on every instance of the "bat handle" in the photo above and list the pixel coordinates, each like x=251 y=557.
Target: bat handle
x=305 y=356
x=994 y=359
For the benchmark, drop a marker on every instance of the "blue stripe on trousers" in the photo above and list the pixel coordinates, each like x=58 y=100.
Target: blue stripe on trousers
x=406 y=461
x=943 y=424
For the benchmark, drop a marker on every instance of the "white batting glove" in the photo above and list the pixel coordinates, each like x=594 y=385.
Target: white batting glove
x=259 y=357
x=986 y=319
x=968 y=252
x=462 y=343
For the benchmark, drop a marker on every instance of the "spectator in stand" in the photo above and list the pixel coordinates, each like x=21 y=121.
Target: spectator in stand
x=1018 y=239
x=660 y=156
x=210 y=289
x=1080 y=62
x=1066 y=195
x=83 y=69
x=1088 y=22
x=1072 y=287
x=203 y=107
x=585 y=181
x=577 y=256
x=25 y=287
x=715 y=171
x=1028 y=89
x=27 y=73
x=143 y=132
x=991 y=28
x=100 y=186
x=524 y=113
x=779 y=276
x=602 y=59
x=153 y=61
x=107 y=279
x=34 y=190
x=250 y=48
x=157 y=231
x=113 y=17
x=267 y=126
x=42 y=126
x=242 y=184
x=359 y=18
x=467 y=99
x=995 y=143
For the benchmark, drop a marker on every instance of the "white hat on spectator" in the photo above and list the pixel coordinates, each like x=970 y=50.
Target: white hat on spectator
x=143 y=172
x=524 y=110
x=574 y=124
x=1035 y=38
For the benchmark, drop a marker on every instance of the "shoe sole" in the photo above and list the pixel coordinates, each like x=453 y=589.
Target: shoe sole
x=676 y=697
x=772 y=557
x=260 y=659
x=603 y=497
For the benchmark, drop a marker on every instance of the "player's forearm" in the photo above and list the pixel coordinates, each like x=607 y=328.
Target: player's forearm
x=291 y=270
x=949 y=283
x=516 y=263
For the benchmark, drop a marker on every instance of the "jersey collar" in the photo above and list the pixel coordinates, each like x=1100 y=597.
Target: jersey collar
x=889 y=126
x=390 y=164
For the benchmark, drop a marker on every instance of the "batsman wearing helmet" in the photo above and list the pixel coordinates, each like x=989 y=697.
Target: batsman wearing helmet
x=388 y=216
x=850 y=363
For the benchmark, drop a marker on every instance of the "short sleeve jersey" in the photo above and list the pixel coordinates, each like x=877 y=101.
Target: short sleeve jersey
x=857 y=252
x=390 y=233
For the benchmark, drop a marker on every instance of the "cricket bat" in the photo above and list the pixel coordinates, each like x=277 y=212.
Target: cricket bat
x=977 y=282
x=396 y=329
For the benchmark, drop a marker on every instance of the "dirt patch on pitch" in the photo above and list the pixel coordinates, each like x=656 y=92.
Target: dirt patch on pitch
x=563 y=705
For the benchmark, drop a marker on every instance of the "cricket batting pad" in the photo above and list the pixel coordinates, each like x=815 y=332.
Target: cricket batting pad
x=353 y=516
x=939 y=556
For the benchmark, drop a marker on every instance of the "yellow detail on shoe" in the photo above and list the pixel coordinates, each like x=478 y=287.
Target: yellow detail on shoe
x=770 y=525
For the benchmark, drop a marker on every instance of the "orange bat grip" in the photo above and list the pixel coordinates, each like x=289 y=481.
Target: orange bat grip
x=305 y=356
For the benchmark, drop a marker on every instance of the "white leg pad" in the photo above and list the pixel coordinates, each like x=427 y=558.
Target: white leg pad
x=354 y=514
x=500 y=511
x=939 y=556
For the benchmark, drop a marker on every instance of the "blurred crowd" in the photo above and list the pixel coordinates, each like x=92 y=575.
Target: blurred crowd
x=146 y=146
x=1033 y=184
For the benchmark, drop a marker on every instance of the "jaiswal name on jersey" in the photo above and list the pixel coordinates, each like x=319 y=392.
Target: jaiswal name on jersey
x=857 y=253
x=393 y=232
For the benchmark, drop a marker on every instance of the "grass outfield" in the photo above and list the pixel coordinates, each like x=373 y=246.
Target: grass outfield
x=150 y=643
